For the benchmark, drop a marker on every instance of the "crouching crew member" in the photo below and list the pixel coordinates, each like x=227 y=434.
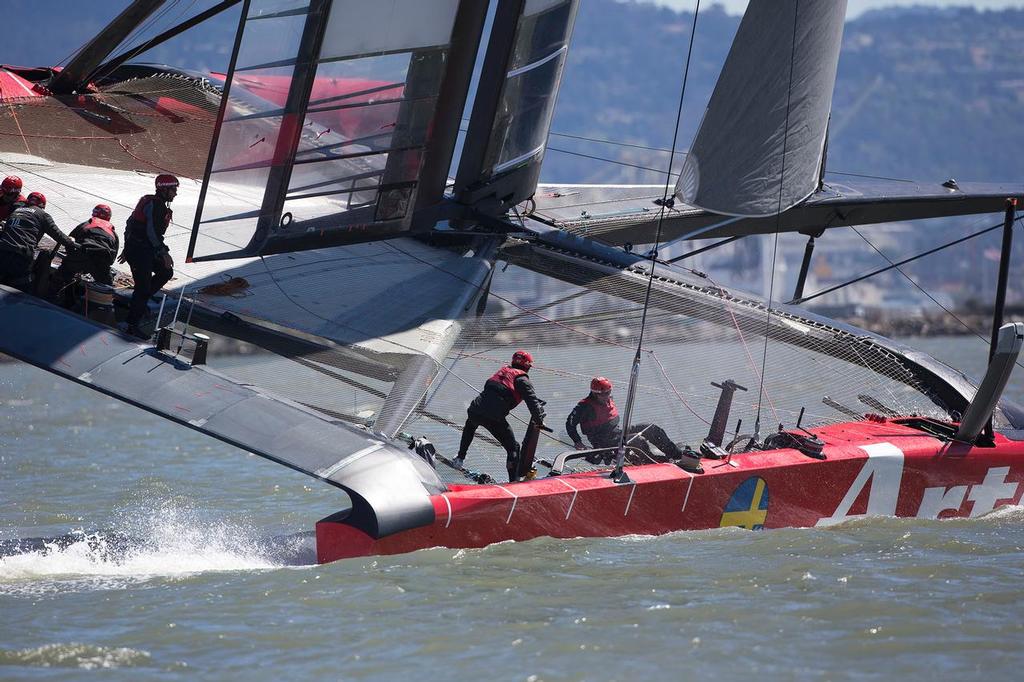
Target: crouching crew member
x=144 y=249
x=99 y=245
x=10 y=196
x=598 y=417
x=20 y=237
x=509 y=386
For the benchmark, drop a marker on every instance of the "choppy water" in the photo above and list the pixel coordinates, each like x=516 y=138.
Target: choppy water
x=130 y=544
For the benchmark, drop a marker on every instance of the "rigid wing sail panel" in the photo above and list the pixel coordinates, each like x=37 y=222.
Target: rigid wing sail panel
x=329 y=111
x=760 y=146
x=512 y=113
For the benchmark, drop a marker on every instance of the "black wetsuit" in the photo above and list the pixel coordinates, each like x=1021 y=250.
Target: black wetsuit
x=18 y=241
x=144 y=249
x=507 y=388
x=99 y=246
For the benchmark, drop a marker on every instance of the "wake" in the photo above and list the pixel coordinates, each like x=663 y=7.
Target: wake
x=173 y=544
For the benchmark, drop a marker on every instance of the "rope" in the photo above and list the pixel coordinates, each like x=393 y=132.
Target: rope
x=635 y=373
x=778 y=222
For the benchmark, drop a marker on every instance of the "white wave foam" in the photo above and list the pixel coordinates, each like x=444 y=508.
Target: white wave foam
x=168 y=541
x=75 y=655
x=1012 y=512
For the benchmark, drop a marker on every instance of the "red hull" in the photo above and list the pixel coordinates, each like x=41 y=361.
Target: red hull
x=871 y=469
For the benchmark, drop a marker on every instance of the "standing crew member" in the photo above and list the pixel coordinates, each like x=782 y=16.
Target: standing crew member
x=21 y=234
x=598 y=417
x=99 y=245
x=11 y=198
x=508 y=387
x=144 y=249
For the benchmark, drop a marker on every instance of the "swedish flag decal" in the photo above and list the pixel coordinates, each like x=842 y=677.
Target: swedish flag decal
x=748 y=506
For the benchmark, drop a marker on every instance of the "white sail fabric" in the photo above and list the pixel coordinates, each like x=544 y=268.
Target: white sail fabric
x=759 y=148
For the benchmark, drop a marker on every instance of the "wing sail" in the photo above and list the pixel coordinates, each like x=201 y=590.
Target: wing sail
x=759 y=148
x=330 y=109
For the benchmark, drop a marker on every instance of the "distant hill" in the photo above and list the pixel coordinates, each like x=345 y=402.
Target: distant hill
x=921 y=93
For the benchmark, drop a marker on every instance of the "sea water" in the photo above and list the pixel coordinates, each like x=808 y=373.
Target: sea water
x=136 y=546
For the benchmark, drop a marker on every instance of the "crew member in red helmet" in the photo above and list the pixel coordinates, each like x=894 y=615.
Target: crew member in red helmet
x=144 y=248
x=506 y=388
x=10 y=196
x=99 y=244
x=20 y=237
x=598 y=417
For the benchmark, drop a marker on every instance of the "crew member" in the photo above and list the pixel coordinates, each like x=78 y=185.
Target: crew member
x=10 y=196
x=598 y=417
x=144 y=249
x=99 y=244
x=19 y=238
x=509 y=386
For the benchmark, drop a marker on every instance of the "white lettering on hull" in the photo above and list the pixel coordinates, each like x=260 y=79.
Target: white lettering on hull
x=938 y=500
x=882 y=474
x=991 y=490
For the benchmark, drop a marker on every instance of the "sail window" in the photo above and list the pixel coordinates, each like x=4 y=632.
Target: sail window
x=331 y=105
x=531 y=84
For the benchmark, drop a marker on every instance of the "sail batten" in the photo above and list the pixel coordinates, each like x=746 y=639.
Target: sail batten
x=759 y=149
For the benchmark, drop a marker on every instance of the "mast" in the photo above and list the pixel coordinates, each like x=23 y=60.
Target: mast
x=75 y=75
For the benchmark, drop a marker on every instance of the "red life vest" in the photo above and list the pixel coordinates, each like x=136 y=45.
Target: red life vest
x=102 y=226
x=137 y=220
x=601 y=412
x=506 y=376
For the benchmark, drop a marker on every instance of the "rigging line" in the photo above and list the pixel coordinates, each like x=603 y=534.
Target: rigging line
x=870 y=177
x=147 y=24
x=899 y=263
x=614 y=143
x=746 y=348
x=133 y=52
x=635 y=372
x=925 y=292
x=778 y=222
x=617 y=163
x=679 y=397
x=728 y=240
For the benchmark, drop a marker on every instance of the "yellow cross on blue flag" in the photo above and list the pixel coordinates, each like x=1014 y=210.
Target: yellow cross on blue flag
x=748 y=506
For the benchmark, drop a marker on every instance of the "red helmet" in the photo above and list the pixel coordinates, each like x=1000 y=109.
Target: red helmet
x=522 y=359
x=36 y=199
x=102 y=211
x=166 y=180
x=11 y=185
x=600 y=385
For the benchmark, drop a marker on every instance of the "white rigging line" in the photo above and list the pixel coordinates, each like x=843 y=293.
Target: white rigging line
x=778 y=220
x=634 y=377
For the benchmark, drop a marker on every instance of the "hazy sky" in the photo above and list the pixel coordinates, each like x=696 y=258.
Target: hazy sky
x=855 y=6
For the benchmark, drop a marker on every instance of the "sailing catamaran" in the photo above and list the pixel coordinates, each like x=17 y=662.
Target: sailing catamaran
x=326 y=229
